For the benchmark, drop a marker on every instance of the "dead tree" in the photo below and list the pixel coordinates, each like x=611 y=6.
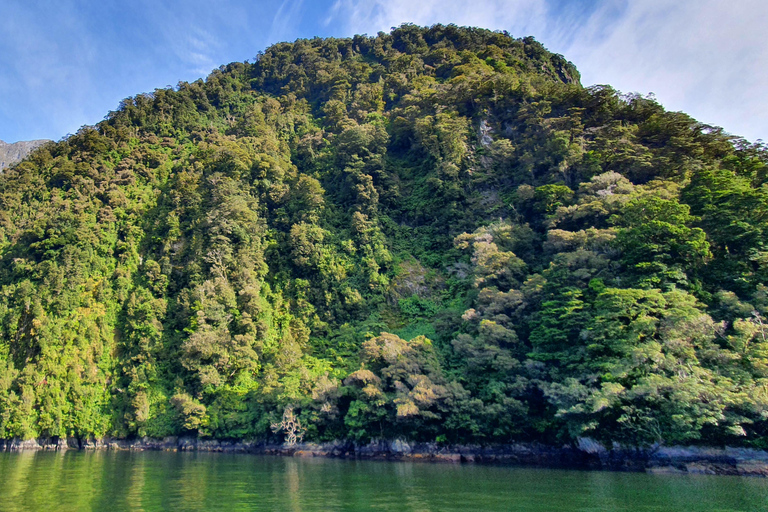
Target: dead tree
x=291 y=427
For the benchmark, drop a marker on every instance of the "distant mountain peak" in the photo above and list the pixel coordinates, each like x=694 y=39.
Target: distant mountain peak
x=10 y=153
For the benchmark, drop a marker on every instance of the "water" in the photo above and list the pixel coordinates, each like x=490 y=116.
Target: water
x=154 y=481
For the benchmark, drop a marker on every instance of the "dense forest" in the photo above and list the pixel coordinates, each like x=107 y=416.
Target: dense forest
x=436 y=234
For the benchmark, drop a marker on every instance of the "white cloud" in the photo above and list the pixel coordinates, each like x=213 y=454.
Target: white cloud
x=705 y=57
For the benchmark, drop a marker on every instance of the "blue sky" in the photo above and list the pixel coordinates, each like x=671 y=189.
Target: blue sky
x=66 y=63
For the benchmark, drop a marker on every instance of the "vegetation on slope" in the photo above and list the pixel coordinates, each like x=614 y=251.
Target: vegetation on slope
x=435 y=234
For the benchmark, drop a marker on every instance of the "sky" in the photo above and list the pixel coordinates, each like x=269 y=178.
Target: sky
x=67 y=63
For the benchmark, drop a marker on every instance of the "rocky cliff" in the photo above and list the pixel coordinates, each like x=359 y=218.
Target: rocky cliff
x=12 y=153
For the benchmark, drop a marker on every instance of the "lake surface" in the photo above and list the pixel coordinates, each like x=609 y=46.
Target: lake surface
x=153 y=481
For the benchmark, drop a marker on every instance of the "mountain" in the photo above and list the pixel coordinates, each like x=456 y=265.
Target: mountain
x=436 y=234
x=12 y=153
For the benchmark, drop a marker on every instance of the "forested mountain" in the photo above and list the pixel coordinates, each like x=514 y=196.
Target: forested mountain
x=435 y=234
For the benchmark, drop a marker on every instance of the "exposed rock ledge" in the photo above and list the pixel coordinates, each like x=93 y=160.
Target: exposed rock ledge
x=587 y=454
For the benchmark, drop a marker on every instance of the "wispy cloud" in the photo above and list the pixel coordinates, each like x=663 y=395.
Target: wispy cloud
x=286 y=20
x=197 y=49
x=185 y=34
x=42 y=52
x=371 y=16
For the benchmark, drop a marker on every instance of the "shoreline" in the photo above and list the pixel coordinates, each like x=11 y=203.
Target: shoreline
x=586 y=455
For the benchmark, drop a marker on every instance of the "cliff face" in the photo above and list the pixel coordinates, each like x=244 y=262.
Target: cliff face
x=12 y=153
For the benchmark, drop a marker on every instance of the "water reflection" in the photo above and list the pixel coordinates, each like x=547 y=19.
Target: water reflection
x=155 y=481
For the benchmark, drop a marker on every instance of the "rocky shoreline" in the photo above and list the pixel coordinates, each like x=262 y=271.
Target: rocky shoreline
x=587 y=454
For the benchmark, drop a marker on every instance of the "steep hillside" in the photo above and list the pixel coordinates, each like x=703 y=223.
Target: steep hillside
x=435 y=234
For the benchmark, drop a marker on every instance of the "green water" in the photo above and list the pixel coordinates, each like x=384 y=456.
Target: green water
x=154 y=481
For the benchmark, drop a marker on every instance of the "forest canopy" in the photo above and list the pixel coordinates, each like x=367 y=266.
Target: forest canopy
x=436 y=234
